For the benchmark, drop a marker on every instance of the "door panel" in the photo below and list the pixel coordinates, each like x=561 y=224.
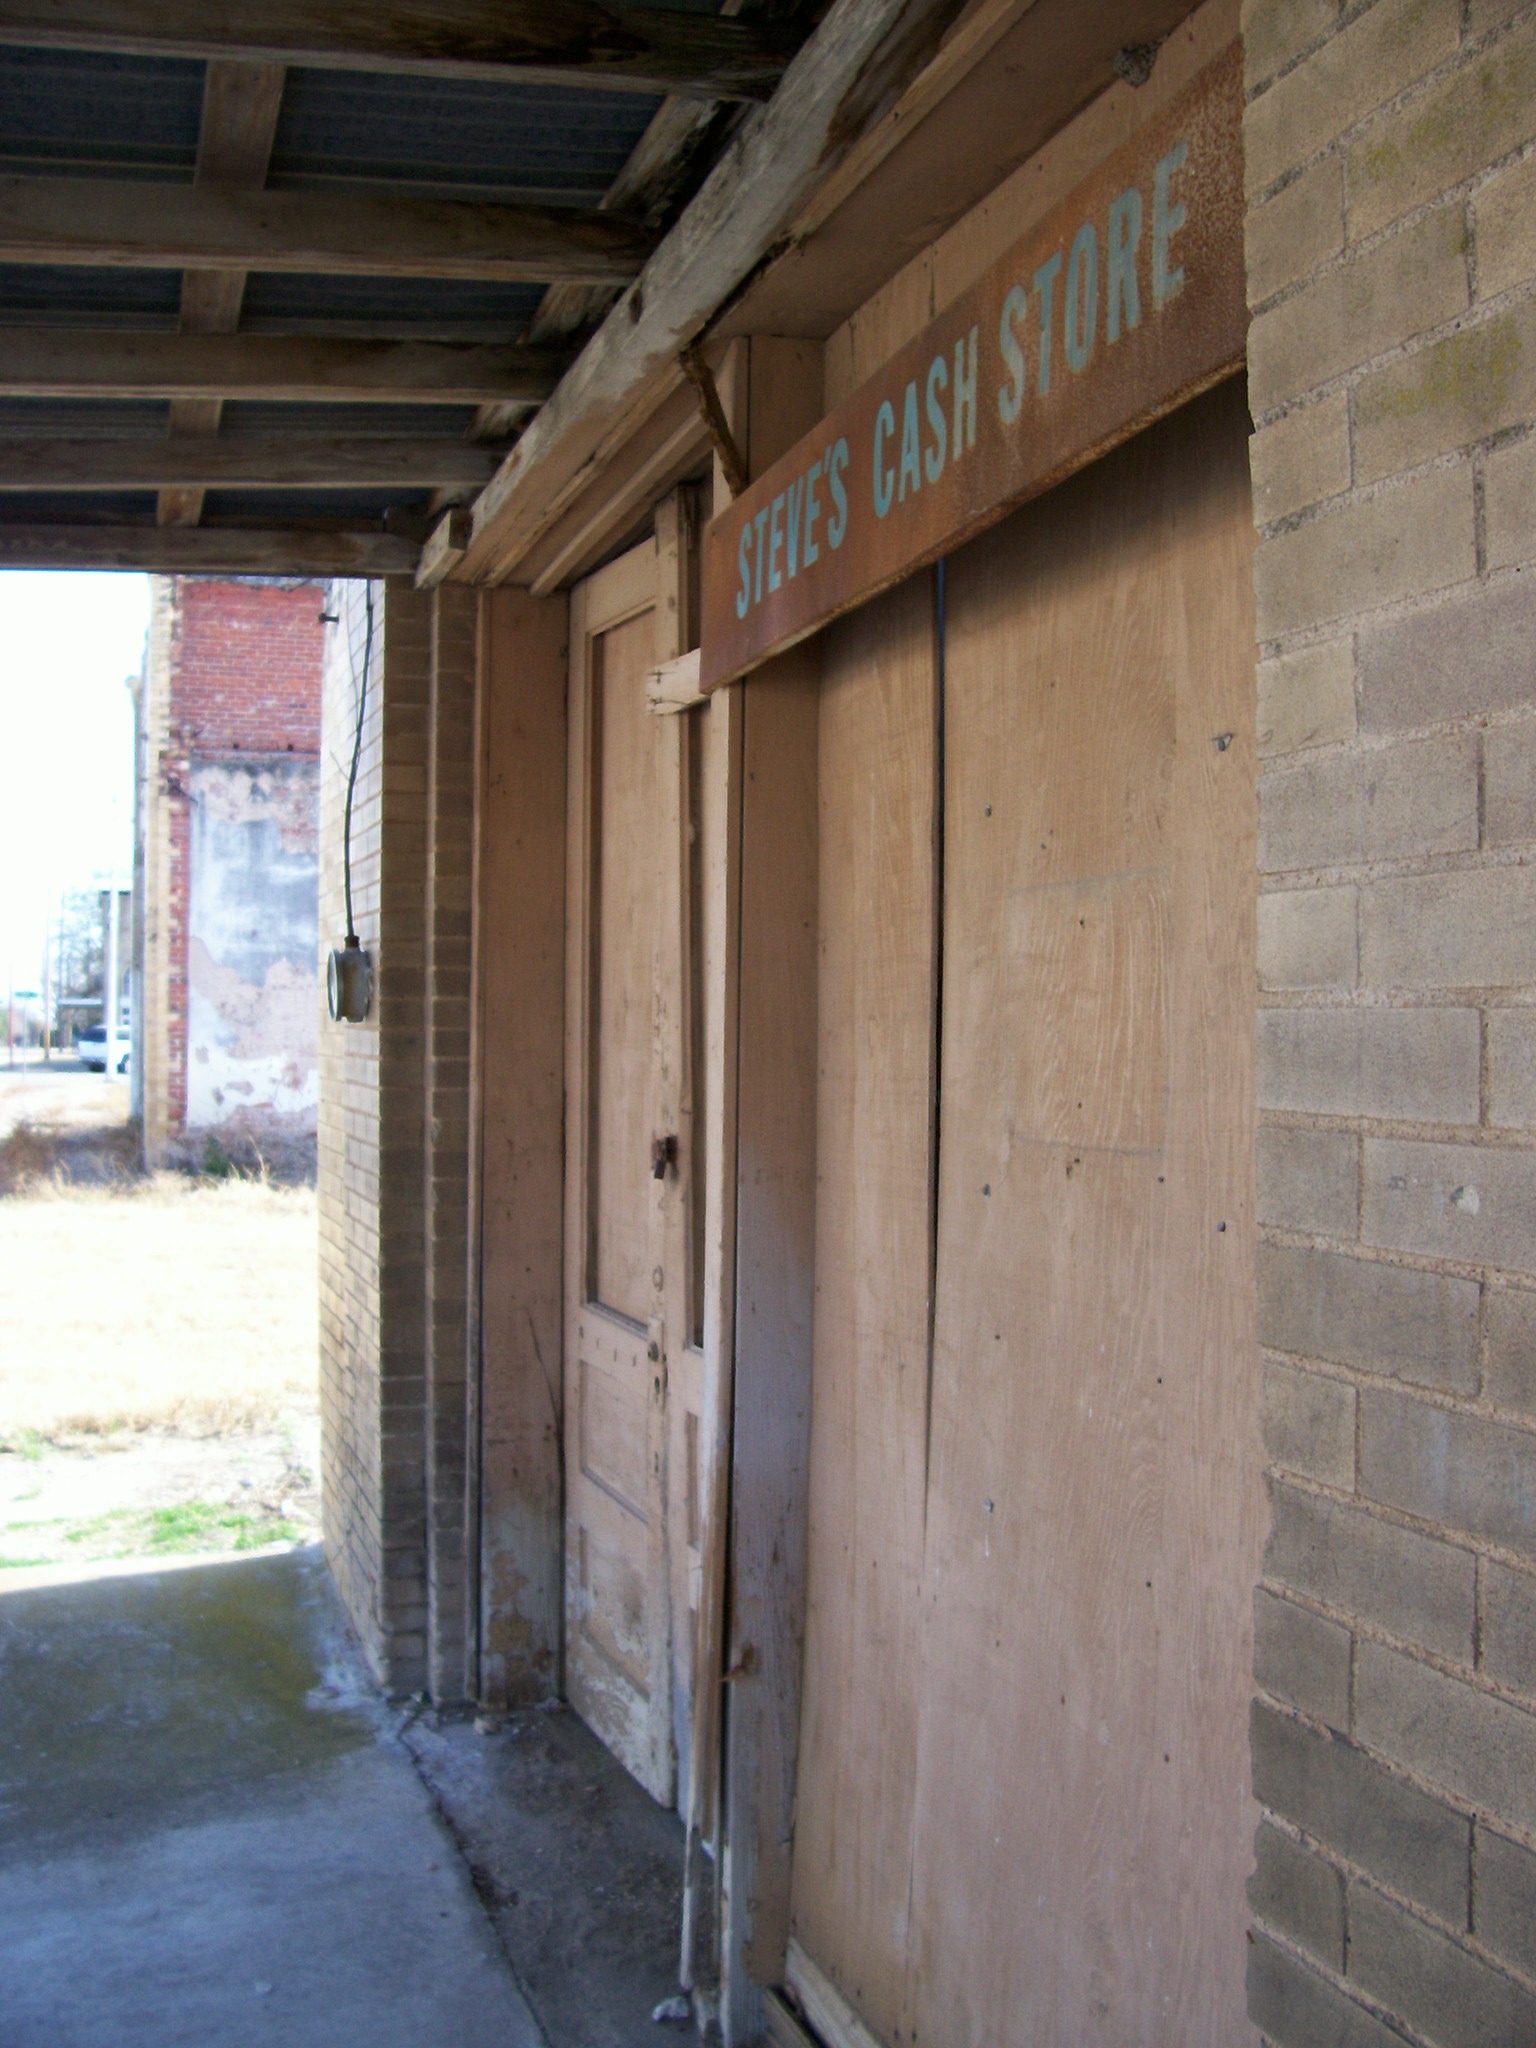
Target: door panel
x=618 y=1609
x=626 y=884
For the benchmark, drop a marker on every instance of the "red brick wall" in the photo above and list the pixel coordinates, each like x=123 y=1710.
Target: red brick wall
x=245 y=666
x=245 y=678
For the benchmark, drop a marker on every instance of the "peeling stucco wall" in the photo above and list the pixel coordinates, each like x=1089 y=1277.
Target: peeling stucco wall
x=252 y=1052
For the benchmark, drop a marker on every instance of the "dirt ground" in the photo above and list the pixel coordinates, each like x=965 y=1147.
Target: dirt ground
x=157 y=1344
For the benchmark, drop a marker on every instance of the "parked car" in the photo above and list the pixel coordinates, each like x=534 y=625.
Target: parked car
x=91 y=1047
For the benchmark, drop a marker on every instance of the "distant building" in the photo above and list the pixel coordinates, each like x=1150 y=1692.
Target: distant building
x=226 y=844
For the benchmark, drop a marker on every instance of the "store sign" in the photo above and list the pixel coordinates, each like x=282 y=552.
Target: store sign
x=1123 y=303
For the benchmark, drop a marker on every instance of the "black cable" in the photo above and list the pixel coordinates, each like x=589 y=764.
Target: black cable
x=357 y=753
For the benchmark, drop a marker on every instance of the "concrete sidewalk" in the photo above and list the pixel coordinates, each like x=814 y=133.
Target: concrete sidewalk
x=209 y=1833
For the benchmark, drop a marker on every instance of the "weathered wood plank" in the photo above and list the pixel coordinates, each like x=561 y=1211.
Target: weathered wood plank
x=208 y=550
x=44 y=362
x=562 y=42
x=518 y=1084
x=855 y=65
x=353 y=234
x=259 y=461
x=241 y=103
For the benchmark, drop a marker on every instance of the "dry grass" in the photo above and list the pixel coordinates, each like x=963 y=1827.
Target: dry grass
x=163 y=1302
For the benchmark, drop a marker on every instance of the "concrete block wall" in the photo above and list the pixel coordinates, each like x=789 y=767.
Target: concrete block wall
x=1391 y=153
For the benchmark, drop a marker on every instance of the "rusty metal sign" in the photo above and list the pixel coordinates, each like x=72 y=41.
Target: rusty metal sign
x=1122 y=304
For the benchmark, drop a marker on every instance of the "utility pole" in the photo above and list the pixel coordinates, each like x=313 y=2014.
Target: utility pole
x=109 y=980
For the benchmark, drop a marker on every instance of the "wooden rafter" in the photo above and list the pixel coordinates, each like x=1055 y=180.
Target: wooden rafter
x=240 y=109
x=353 y=234
x=855 y=66
x=561 y=42
x=43 y=362
x=250 y=461
x=208 y=550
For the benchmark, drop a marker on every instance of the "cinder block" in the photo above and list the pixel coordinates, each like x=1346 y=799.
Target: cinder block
x=1463 y=1472
x=1307 y=939
x=1394 y=1578
x=1300 y=458
x=1309 y=1424
x=1468 y=930
x=1309 y=1180
x=1418 y=1327
x=1511 y=1362
x=1509 y=500
x=1307 y=699
x=1379 y=803
x=1450 y=395
x=1418 y=1064
x=1297 y=1893
x=1411 y=539
x=1504 y=217
x=1451 y=1201
x=1438 y=1987
x=1348 y=1801
x=1467 y=654
x=1379 y=299
x=1509 y=1631
x=1479 y=1748
x=1297 y=230
x=1504 y=1908
x=1276 y=31
x=1302 y=1658
x=1477 y=113
x=1509 y=770
x=1351 y=74
x=1294 y=2007
x=1512 y=1069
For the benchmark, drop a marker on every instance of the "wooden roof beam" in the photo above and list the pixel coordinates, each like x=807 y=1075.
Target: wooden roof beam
x=241 y=103
x=52 y=362
x=354 y=234
x=243 y=461
x=854 y=67
x=550 y=42
x=208 y=550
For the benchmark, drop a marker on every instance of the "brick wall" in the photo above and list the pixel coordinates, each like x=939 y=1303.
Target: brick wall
x=233 y=667
x=1392 y=264
x=394 y=1136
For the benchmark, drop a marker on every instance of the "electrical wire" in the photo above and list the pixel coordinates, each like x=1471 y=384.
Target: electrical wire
x=357 y=753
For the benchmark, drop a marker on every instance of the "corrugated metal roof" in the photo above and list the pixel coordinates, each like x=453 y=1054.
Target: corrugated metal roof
x=139 y=118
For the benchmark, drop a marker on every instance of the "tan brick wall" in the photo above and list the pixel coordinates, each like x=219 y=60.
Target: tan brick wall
x=450 y=849
x=1392 y=267
x=371 y=1151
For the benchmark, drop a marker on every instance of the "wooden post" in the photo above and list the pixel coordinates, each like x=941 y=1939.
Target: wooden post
x=775 y=1248
x=517 y=1172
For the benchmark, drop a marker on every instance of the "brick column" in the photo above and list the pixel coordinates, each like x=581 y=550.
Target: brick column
x=1392 y=262
x=450 y=851
x=371 y=1142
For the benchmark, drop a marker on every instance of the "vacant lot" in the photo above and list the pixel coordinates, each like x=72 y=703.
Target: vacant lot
x=157 y=1362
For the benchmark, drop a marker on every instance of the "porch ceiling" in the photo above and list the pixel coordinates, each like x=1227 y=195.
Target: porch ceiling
x=281 y=280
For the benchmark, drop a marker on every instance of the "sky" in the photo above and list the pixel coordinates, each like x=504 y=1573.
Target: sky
x=68 y=642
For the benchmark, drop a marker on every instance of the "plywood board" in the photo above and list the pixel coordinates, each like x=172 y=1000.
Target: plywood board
x=519 y=1091
x=874 y=1213
x=1083 y=1822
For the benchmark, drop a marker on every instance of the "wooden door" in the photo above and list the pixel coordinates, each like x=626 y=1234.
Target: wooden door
x=643 y=838
x=1024 y=1812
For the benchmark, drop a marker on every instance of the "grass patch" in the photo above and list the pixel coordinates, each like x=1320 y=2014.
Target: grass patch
x=24 y=1443
x=190 y=1527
